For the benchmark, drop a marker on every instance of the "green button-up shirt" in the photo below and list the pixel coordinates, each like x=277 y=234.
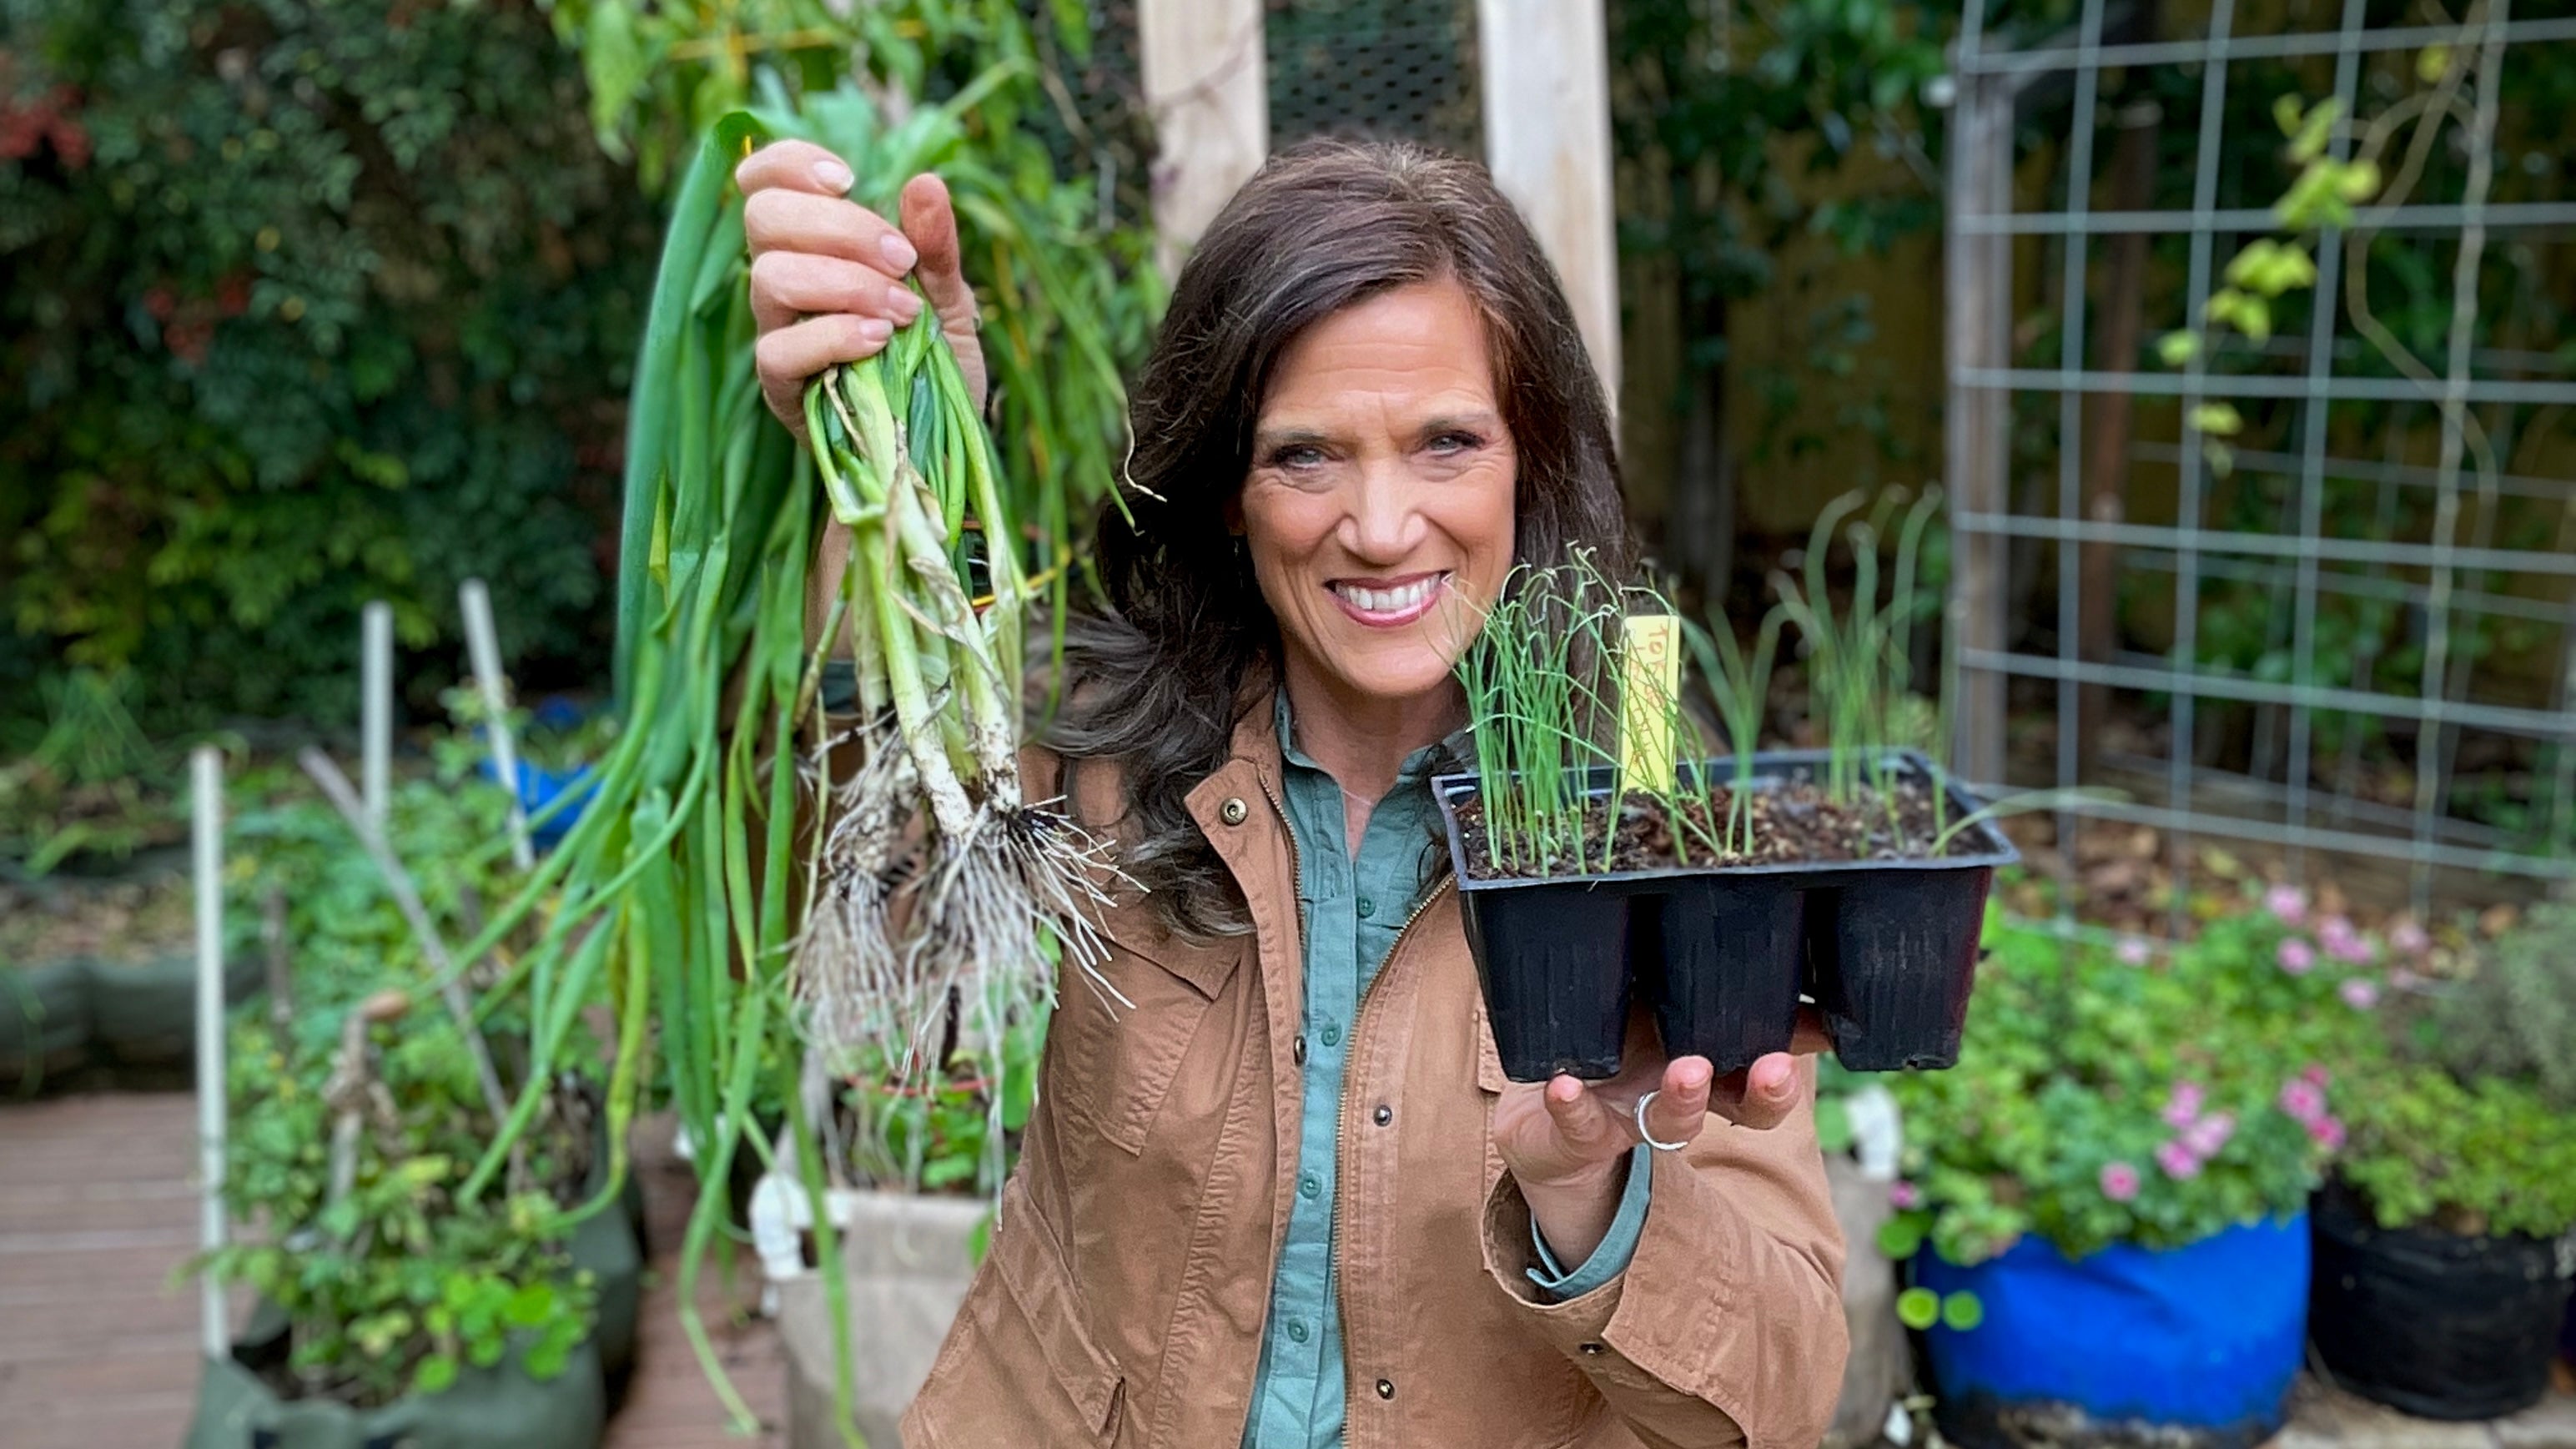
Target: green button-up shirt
x=1353 y=912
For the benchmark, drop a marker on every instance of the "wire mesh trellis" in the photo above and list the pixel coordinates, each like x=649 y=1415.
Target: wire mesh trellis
x=2184 y=549
x=1384 y=68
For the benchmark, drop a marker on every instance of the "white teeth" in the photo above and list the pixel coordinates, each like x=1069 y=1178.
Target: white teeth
x=1390 y=601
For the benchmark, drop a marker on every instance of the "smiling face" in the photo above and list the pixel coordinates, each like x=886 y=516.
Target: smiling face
x=1379 y=507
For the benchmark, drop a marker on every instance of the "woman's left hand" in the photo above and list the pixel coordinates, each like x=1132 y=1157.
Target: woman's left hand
x=1567 y=1141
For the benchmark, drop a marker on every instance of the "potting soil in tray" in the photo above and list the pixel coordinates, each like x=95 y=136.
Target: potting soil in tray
x=1841 y=902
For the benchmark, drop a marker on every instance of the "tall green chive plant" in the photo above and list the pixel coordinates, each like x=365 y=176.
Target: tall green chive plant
x=1542 y=678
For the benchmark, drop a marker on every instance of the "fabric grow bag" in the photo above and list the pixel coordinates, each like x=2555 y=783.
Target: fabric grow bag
x=145 y=1014
x=2439 y=1325
x=495 y=1408
x=44 y=1021
x=2200 y=1342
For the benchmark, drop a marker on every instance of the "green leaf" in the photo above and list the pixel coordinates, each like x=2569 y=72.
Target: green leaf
x=1901 y=1236
x=436 y=1374
x=2179 y=347
x=1962 y=1311
x=531 y=1305
x=1918 y=1308
x=2217 y=419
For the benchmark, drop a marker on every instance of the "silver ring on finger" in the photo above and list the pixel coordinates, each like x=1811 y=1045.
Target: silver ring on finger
x=1649 y=1136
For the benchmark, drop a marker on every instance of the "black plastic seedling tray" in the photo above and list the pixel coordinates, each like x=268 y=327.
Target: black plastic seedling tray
x=1723 y=954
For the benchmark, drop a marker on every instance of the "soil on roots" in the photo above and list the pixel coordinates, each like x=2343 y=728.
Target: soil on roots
x=1794 y=822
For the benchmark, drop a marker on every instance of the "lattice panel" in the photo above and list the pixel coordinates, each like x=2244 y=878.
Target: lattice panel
x=1389 y=68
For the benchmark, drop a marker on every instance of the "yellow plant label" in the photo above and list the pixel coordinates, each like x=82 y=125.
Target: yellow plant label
x=1649 y=700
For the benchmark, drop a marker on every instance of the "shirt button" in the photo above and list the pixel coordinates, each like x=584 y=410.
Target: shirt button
x=1310 y=1184
x=1332 y=1034
x=1386 y=1388
x=1383 y=1115
x=1297 y=1330
x=1367 y=907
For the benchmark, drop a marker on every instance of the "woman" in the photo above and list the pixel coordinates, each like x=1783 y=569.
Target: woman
x=1288 y=1198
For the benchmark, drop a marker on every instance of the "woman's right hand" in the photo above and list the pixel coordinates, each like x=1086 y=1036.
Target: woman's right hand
x=827 y=274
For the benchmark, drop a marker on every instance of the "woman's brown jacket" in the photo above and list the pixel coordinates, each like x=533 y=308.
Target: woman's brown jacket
x=1124 y=1297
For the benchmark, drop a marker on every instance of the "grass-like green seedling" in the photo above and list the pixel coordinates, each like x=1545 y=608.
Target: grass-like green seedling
x=1542 y=710
x=1739 y=684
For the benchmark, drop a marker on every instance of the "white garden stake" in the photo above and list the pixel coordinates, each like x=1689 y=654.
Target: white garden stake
x=485 y=646
x=376 y=708
x=206 y=769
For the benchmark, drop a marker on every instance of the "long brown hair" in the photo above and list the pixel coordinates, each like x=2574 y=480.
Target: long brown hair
x=1184 y=644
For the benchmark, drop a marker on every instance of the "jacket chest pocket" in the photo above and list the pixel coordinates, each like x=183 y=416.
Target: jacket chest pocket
x=1114 y=1057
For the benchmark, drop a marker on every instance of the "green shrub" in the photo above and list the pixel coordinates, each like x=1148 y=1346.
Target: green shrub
x=2488 y=1157
x=2515 y=1018
x=2108 y=1094
x=309 y=302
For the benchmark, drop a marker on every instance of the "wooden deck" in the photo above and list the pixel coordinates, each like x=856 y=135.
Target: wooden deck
x=98 y=1341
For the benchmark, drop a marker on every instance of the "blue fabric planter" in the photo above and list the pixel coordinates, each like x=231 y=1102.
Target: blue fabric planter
x=2204 y=1339
x=540 y=787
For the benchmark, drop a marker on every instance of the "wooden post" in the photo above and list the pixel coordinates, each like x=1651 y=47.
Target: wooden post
x=1979 y=459
x=1207 y=88
x=483 y=642
x=376 y=707
x=206 y=771
x=1546 y=84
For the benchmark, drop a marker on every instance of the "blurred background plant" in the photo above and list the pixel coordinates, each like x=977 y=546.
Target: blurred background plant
x=308 y=304
x=2122 y=1094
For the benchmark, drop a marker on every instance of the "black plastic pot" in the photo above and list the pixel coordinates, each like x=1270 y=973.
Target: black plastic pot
x=2436 y=1324
x=1887 y=948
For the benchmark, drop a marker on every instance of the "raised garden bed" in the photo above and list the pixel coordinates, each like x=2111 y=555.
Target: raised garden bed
x=98 y=985
x=1848 y=903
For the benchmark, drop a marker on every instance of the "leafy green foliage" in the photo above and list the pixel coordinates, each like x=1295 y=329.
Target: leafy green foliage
x=2488 y=1157
x=90 y=784
x=309 y=304
x=959 y=1132
x=2515 y=1019
x=2154 y=1103
x=394 y=1285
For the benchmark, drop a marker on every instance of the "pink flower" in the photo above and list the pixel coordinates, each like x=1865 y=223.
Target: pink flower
x=1904 y=1196
x=2344 y=943
x=2304 y=1100
x=2287 y=902
x=2134 y=951
x=2408 y=937
x=2298 y=957
x=2360 y=993
x=2183 y=1107
x=2209 y=1134
x=2119 y=1181
x=2404 y=980
x=2316 y=1073
x=2178 y=1161
x=2327 y=1133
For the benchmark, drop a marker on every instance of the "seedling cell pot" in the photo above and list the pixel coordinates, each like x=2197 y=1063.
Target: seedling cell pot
x=1722 y=962
x=1888 y=948
x=1553 y=956
x=1895 y=954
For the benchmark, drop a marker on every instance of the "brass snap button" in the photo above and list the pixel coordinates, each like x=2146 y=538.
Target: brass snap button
x=1233 y=811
